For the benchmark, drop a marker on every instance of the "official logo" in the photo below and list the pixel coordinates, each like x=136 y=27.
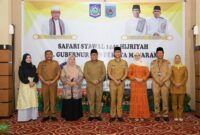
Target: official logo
x=95 y=10
x=110 y=11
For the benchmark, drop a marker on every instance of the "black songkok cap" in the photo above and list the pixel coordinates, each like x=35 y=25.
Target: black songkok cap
x=93 y=51
x=156 y=8
x=136 y=7
x=159 y=49
x=117 y=48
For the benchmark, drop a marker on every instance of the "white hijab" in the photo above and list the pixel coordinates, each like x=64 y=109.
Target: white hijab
x=139 y=62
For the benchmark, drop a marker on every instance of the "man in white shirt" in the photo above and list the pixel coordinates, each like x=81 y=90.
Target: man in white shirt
x=157 y=26
x=56 y=25
x=136 y=26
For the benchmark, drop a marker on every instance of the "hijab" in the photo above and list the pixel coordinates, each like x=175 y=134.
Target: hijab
x=71 y=69
x=138 y=62
x=27 y=68
x=178 y=65
x=24 y=64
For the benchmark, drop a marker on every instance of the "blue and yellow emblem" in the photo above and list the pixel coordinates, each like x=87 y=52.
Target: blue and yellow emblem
x=95 y=10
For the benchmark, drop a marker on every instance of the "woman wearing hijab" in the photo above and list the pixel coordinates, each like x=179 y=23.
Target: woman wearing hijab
x=138 y=74
x=71 y=77
x=179 y=78
x=27 y=103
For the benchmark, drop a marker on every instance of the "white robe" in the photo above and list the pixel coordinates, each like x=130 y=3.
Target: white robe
x=131 y=27
x=58 y=32
x=46 y=30
x=157 y=25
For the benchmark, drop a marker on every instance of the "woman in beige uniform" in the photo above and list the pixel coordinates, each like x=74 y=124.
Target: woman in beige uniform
x=179 y=78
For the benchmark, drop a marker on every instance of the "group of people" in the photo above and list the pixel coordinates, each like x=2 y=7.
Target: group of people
x=165 y=79
x=139 y=26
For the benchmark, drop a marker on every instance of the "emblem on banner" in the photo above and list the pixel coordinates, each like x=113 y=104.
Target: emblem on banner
x=110 y=11
x=95 y=10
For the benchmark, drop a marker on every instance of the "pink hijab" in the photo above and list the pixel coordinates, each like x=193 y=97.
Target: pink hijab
x=71 y=69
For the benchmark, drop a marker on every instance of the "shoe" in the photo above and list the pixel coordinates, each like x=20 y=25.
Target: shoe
x=54 y=118
x=180 y=119
x=90 y=118
x=111 y=120
x=99 y=118
x=157 y=118
x=120 y=119
x=166 y=119
x=136 y=120
x=45 y=119
x=175 y=119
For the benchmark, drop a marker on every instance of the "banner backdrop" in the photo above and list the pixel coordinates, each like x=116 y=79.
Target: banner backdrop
x=103 y=25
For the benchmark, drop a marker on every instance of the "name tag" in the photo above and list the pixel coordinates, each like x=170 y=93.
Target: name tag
x=159 y=74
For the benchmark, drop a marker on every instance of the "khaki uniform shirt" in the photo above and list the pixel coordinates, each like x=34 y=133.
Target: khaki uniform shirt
x=179 y=75
x=48 y=70
x=94 y=71
x=160 y=71
x=117 y=69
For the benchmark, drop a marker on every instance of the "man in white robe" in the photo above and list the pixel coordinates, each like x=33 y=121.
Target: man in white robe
x=56 y=25
x=157 y=26
x=136 y=26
